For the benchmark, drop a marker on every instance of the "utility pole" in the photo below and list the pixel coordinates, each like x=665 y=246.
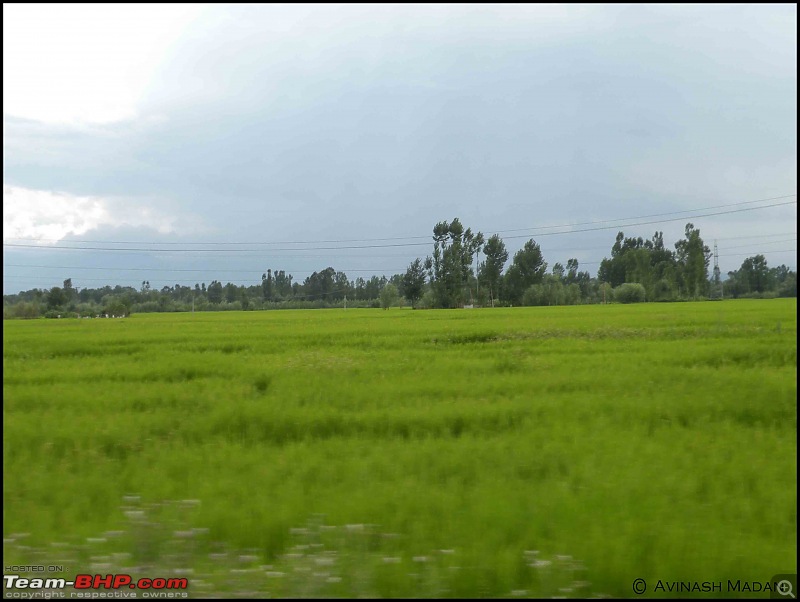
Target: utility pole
x=192 y=301
x=345 y=301
x=477 y=265
x=716 y=278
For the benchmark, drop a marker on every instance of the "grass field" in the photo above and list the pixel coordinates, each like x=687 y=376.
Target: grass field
x=526 y=451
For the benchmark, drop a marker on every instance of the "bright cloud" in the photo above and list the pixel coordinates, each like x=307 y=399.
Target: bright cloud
x=83 y=63
x=51 y=216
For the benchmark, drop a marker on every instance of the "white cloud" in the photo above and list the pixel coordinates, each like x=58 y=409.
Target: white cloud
x=52 y=216
x=84 y=63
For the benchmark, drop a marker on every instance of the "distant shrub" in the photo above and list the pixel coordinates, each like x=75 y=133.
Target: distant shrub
x=534 y=295
x=605 y=293
x=572 y=294
x=630 y=292
x=550 y=292
x=356 y=303
x=428 y=300
x=663 y=290
x=789 y=286
x=146 y=307
x=25 y=310
x=389 y=296
x=60 y=313
x=300 y=304
x=762 y=295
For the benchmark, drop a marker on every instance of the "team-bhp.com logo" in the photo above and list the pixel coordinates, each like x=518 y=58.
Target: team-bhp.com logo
x=96 y=582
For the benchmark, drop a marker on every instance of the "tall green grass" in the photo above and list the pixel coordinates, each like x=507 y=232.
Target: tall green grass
x=654 y=441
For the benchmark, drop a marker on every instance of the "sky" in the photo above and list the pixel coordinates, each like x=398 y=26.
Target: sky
x=184 y=144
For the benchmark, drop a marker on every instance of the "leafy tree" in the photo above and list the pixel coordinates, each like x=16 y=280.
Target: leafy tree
x=613 y=270
x=320 y=284
x=360 y=288
x=635 y=259
x=215 y=292
x=780 y=274
x=528 y=268
x=693 y=259
x=389 y=295
x=372 y=288
x=586 y=284
x=788 y=288
x=56 y=298
x=231 y=292
x=492 y=269
x=572 y=294
x=267 y=286
x=283 y=284
x=341 y=287
x=449 y=267
x=558 y=272
x=572 y=271
x=414 y=282
x=69 y=292
x=755 y=271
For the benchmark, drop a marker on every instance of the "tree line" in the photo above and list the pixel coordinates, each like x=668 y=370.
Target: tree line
x=452 y=276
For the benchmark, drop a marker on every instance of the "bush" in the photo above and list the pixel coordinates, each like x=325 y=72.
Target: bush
x=60 y=313
x=550 y=292
x=757 y=295
x=663 y=291
x=573 y=294
x=389 y=296
x=25 y=310
x=147 y=307
x=428 y=300
x=534 y=295
x=788 y=287
x=605 y=293
x=630 y=292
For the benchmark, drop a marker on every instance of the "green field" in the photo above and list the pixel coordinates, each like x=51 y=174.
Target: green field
x=495 y=452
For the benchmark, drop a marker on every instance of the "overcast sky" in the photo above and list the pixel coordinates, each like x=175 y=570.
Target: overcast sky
x=160 y=126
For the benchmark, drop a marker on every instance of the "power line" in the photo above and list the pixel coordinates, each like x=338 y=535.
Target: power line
x=761 y=253
x=256 y=271
x=622 y=219
x=206 y=270
x=165 y=250
x=250 y=283
x=786 y=196
x=663 y=221
x=758 y=236
x=570 y=250
x=772 y=242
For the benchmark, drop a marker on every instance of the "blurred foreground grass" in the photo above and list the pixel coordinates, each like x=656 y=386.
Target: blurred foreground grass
x=654 y=441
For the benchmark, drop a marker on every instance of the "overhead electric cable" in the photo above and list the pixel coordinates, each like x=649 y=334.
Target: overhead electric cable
x=163 y=250
x=428 y=237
